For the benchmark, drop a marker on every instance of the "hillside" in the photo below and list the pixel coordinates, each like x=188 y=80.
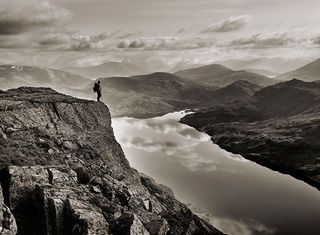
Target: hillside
x=109 y=69
x=264 y=72
x=221 y=76
x=63 y=172
x=152 y=94
x=309 y=72
x=237 y=91
x=278 y=127
x=160 y=93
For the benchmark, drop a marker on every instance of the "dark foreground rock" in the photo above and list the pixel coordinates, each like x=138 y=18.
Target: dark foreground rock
x=63 y=172
x=279 y=127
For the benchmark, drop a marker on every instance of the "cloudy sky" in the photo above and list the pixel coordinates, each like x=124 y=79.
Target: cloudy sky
x=158 y=33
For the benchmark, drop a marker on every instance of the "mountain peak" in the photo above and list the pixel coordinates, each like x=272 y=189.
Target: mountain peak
x=308 y=72
x=221 y=76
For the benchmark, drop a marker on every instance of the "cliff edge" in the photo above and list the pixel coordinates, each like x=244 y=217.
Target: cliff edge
x=63 y=172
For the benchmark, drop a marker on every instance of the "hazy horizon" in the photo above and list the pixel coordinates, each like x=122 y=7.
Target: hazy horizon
x=160 y=35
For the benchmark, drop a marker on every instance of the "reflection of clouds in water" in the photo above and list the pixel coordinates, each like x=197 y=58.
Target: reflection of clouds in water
x=168 y=147
x=193 y=134
x=172 y=139
x=235 y=157
x=164 y=124
x=183 y=152
x=232 y=226
x=170 y=125
x=249 y=227
x=195 y=162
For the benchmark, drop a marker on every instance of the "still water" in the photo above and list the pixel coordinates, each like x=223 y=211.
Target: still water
x=238 y=196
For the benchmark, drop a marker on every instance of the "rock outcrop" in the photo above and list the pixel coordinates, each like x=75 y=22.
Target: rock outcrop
x=279 y=127
x=63 y=172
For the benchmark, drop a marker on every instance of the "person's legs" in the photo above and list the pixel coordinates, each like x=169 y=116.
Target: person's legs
x=99 y=96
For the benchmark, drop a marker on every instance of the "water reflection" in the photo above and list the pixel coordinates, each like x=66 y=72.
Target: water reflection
x=239 y=196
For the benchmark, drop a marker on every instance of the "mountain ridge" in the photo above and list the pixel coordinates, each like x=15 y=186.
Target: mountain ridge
x=220 y=75
x=309 y=72
x=270 y=129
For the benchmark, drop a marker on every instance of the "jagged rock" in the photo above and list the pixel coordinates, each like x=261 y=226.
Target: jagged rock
x=84 y=187
x=130 y=225
x=147 y=205
x=192 y=228
x=83 y=219
x=8 y=224
x=158 y=227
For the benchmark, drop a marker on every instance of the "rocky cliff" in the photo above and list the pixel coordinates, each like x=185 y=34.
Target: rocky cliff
x=63 y=172
x=279 y=127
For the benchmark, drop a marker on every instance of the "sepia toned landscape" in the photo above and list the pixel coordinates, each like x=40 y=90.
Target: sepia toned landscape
x=159 y=117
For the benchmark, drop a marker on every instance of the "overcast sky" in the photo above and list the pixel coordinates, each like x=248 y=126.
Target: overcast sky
x=173 y=31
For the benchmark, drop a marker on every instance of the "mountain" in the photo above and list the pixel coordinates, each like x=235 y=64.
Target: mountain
x=276 y=64
x=63 y=172
x=12 y=76
x=263 y=72
x=152 y=94
x=278 y=127
x=220 y=76
x=309 y=72
x=239 y=90
x=109 y=69
x=158 y=93
x=287 y=99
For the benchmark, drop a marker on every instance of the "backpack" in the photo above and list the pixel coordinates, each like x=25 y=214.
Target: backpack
x=96 y=87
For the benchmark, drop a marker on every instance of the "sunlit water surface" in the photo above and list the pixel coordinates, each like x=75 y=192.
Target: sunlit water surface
x=237 y=195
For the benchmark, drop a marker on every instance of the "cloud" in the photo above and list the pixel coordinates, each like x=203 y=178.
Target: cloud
x=148 y=43
x=166 y=43
x=233 y=226
x=30 y=23
x=128 y=35
x=232 y=23
x=292 y=38
x=149 y=146
x=184 y=153
x=193 y=134
x=159 y=126
x=54 y=39
x=79 y=43
x=316 y=40
x=195 y=162
x=168 y=136
x=263 y=40
x=247 y=227
x=18 y=18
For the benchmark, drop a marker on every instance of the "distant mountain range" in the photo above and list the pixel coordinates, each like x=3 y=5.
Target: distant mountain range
x=152 y=94
x=160 y=93
x=221 y=76
x=279 y=127
x=156 y=93
x=264 y=72
x=12 y=76
x=278 y=65
x=309 y=72
x=109 y=69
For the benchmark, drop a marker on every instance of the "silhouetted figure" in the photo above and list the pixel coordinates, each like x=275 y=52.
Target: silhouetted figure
x=97 y=88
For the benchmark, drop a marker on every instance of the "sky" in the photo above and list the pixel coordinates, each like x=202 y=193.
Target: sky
x=160 y=34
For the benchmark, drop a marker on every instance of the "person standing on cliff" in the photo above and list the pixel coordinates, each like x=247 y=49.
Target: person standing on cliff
x=97 y=88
